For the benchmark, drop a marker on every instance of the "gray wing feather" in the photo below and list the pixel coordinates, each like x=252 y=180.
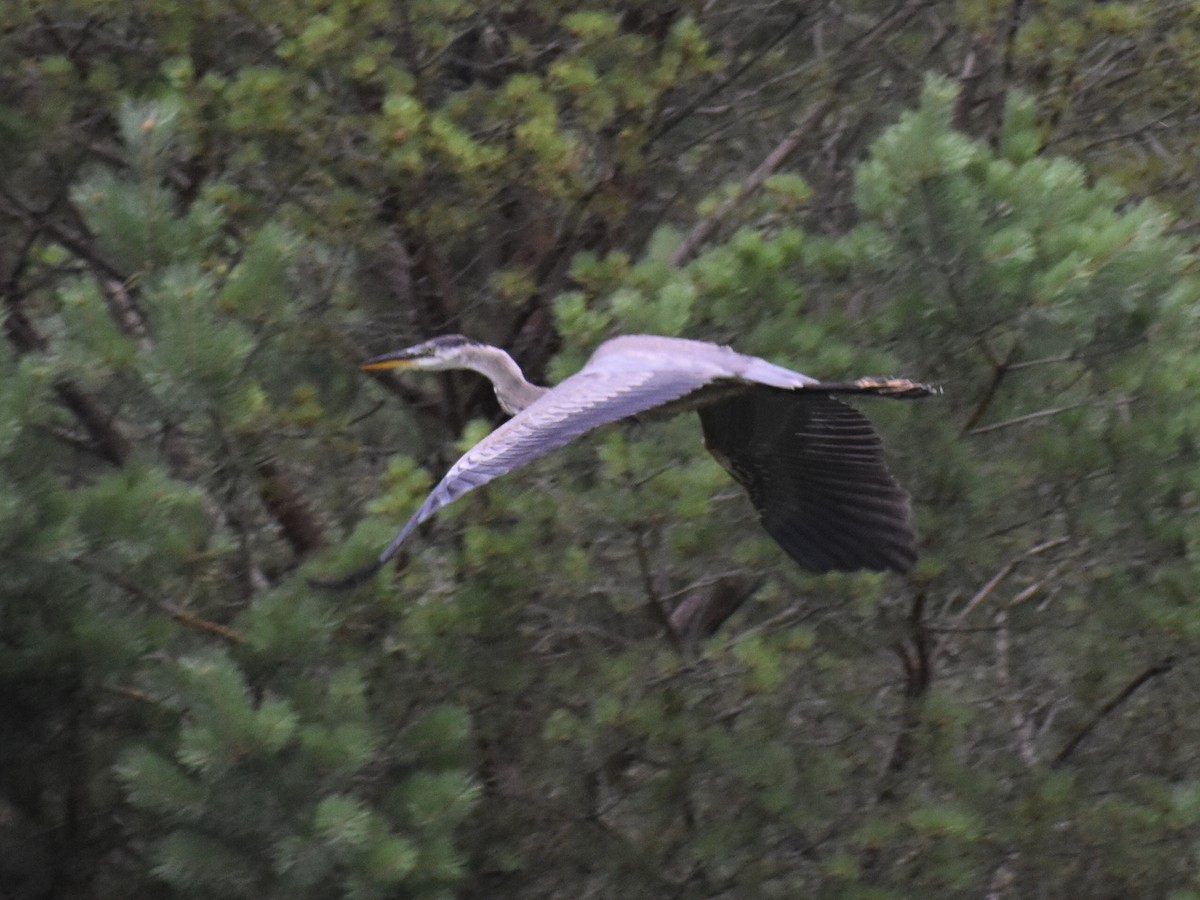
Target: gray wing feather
x=586 y=400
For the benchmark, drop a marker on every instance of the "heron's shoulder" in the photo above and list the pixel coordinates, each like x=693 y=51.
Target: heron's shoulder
x=708 y=360
x=659 y=347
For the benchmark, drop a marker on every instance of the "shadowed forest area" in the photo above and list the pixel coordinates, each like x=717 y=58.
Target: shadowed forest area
x=596 y=677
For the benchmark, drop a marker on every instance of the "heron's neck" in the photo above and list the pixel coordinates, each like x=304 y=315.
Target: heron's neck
x=512 y=390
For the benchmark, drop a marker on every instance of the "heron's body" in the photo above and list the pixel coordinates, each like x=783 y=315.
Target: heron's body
x=812 y=465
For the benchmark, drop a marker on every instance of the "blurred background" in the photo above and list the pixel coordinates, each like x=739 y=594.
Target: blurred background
x=596 y=677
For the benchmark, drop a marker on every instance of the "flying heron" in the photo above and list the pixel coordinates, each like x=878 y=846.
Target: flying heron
x=812 y=465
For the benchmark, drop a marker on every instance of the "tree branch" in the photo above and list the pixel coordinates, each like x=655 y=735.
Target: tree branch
x=1029 y=417
x=705 y=229
x=1000 y=368
x=107 y=439
x=917 y=661
x=657 y=610
x=703 y=611
x=776 y=158
x=109 y=442
x=990 y=586
x=704 y=97
x=200 y=624
x=288 y=508
x=1151 y=672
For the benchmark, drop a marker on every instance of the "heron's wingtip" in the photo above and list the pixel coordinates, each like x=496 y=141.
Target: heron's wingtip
x=896 y=388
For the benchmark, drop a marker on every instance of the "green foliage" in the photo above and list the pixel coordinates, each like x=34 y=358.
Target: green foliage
x=299 y=832
x=211 y=213
x=1027 y=275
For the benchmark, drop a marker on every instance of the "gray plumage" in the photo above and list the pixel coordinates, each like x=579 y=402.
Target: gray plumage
x=812 y=465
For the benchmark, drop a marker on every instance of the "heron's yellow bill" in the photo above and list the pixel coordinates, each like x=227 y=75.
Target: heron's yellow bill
x=387 y=361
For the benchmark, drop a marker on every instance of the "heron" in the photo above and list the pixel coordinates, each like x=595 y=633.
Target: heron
x=812 y=465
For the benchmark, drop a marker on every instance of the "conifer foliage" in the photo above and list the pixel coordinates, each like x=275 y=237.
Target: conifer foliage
x=597 y=677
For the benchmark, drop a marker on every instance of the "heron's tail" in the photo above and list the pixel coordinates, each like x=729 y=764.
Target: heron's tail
x=896 y=388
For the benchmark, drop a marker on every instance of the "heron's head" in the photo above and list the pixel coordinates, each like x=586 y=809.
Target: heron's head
x=450 y=351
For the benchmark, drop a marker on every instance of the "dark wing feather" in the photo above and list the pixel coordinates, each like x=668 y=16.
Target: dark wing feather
x=815 y=472
x=586 y=400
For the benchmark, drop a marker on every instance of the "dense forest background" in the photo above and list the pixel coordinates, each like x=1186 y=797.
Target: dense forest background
x=597 y=677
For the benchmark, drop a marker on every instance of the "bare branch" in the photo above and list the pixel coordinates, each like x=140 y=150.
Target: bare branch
x=657 y=610
x=200 y=624
x=288 y=508
x=1148 y=674
x=917 y=659
x=776 y=158
x=990 y=586
x=704 y=97
x=703 y=611
x=109 y=442
x=1000 y=368
x=125 y=312
x=1029 y=417
x=851 y=55
x=1022 y=724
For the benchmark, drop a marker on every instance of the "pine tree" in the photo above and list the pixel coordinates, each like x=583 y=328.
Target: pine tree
x=596 y=676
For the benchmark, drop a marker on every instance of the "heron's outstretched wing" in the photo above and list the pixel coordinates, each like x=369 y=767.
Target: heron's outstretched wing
x=590 y=398
x=815 y=472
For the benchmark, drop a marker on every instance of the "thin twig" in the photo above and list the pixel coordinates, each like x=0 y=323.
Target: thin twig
x=983 y=593
x=776 y=158
x=1000 y=368
x=705 y=229
x=1044 y=361
x=1150 y=672
x=990 y=586
x=721 y=84
x=657 y=609
x=194 y=621
x=1028 y=417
